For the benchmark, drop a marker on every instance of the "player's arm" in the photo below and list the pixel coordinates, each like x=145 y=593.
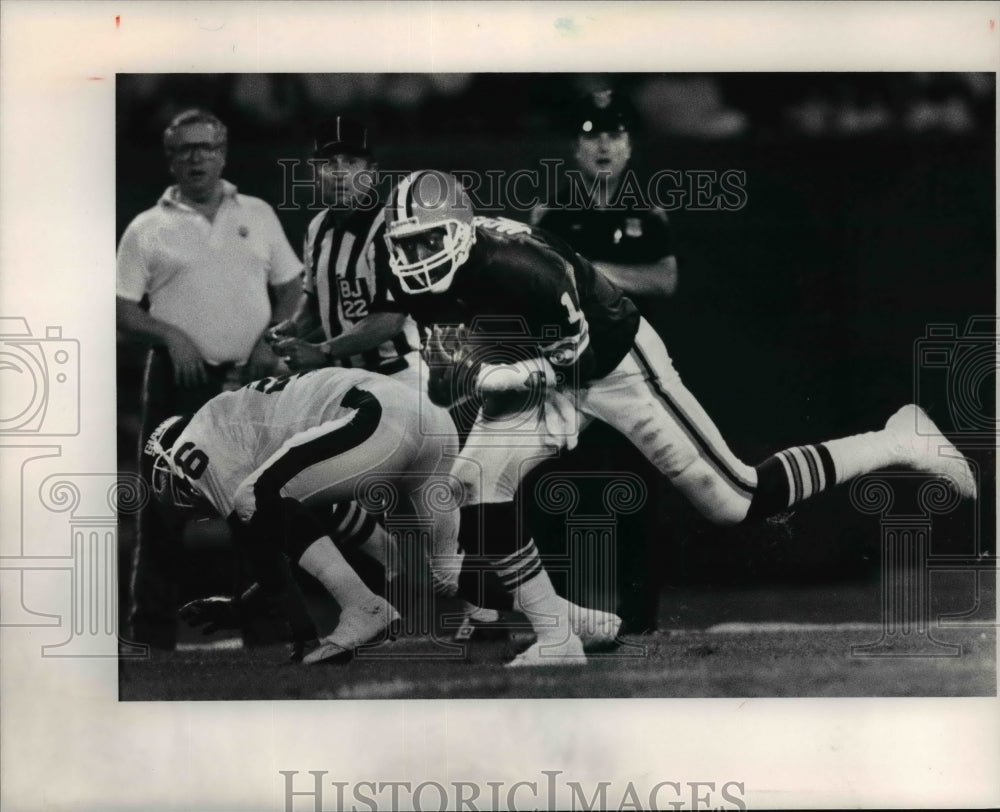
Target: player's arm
x=554 y=303
x=304 y=322
x=284 y=302
x=262 y=360
x=657 y=278
x=366 y=334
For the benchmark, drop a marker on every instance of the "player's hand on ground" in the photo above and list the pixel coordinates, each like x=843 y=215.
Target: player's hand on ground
x=211 y=614
x=301 y=355
x=189 y=370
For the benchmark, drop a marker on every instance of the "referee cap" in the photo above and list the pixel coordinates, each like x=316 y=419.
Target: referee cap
x=341 y=135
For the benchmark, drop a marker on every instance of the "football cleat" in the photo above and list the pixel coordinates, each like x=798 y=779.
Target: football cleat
x=482 y=625
x=598 y=631
x=568 y=652
x=919 y=444
x=358 y=626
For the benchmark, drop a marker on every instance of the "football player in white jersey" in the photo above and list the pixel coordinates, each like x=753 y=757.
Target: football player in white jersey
x=270 y=455
x=341 y=318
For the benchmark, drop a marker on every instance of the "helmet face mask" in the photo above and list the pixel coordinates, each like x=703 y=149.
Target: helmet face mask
x=171 y=487
x=429 y=231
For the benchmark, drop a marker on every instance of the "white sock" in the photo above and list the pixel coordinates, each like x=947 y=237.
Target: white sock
x=547 y=612
x=860 y=454
x=381 y=547
x=327 y=565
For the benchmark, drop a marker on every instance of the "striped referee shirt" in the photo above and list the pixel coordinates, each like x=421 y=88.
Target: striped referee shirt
x=346 y=269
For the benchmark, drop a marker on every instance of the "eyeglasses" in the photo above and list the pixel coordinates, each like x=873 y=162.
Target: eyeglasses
x=186 y=151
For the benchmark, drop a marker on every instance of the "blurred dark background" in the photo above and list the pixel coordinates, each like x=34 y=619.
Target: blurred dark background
x=870 y=214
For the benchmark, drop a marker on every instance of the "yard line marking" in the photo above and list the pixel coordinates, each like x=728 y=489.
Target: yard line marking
x=781 y=627
x=228 y=643
x=738 y=627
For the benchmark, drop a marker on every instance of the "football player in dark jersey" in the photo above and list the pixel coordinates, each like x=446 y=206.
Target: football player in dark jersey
x=543 y=322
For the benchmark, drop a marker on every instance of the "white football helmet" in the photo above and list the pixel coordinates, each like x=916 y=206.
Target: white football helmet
x=429 y=230
x=171 y=486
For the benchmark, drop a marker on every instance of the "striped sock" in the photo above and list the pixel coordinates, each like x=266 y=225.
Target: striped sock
x=518 y=567
x=795 y=474
x=522 y=573
x=789 y=477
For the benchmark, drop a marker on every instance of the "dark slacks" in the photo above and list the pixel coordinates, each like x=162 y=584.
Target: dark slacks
x=158 y=559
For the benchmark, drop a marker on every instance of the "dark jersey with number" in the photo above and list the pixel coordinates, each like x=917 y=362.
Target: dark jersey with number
x=528 y=291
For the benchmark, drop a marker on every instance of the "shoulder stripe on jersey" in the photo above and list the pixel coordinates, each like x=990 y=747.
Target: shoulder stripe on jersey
x=297 y=458
x=691 y=429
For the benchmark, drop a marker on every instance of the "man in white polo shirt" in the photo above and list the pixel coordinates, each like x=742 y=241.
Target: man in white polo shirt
x=217 y=270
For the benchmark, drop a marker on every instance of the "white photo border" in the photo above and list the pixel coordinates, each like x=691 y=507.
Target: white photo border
x=68 y=744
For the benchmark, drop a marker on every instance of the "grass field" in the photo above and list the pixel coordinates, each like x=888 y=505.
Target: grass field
x=714 y=642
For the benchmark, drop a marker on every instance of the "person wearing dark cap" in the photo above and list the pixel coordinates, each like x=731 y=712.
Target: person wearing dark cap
x=630 y=244
x=633 y=247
